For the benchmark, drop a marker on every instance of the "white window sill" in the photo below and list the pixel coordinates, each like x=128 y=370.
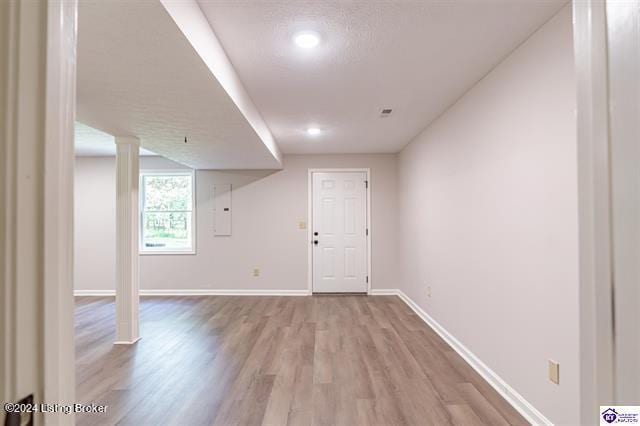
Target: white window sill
x=167 y=252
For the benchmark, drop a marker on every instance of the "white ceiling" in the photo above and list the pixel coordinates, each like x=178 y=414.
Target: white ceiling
x=138 y=75
x=416 y=57
x=90 y=142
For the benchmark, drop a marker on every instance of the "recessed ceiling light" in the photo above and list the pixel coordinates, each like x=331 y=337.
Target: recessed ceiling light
x=313 y=131
x=307 y=39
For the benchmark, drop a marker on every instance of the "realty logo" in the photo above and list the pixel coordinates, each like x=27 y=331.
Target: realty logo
x=627 y=414
x=609 y=415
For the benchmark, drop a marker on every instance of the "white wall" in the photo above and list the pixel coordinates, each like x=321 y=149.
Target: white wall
x=95 y=223
x=488 y=219
x=267 y=207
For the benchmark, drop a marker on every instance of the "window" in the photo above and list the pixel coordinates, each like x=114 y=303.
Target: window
x=166 y=212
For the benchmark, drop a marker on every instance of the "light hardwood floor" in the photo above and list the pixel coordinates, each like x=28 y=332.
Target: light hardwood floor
x=326 y=360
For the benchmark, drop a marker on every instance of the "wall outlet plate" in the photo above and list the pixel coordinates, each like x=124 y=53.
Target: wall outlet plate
x=256 y=272
x=554 y=372
x=302 y=225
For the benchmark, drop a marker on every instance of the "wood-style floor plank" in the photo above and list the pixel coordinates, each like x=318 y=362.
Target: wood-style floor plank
x=322 y=360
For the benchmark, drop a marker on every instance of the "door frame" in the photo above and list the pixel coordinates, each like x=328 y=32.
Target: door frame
x=37 y=113
x=365 y=170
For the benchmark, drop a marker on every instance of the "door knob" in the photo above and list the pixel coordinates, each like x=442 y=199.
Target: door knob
x=315 y=242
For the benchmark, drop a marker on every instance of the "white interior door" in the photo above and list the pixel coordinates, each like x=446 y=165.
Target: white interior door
x=339 y=232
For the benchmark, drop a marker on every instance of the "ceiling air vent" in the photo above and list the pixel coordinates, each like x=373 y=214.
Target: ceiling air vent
x=386 y=112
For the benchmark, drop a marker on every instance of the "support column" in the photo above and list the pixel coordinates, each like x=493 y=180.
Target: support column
x=127 y=220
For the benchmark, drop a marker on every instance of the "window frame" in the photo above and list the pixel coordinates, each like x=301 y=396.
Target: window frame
x=141 y=198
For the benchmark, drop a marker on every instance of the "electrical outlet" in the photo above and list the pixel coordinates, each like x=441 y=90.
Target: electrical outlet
x=554 y=372
x=429 y=291
x=302 y=225
x=256 y=272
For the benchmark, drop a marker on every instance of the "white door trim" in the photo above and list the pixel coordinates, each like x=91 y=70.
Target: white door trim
x=367 y=171
x=37 y=111
x=596 y=292
x=59 y=164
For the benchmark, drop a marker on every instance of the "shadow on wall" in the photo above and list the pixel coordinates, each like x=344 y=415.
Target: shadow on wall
x=237 y=178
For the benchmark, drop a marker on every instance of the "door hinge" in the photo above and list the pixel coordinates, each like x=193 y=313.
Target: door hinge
x=367 y=279
x=367 y=231
x=366 y=183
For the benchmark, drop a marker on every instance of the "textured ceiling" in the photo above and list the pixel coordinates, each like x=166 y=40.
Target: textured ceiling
x=90 y=142
x=138 y=75
x=416 y=57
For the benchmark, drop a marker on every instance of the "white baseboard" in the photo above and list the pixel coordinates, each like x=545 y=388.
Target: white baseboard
x=384 y=292
x=198 y=292
x=528 y=411
x=223 y=292
x=102 y=293
x=124 y=342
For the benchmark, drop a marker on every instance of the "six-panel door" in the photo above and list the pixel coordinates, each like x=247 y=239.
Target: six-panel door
x=340 y=221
